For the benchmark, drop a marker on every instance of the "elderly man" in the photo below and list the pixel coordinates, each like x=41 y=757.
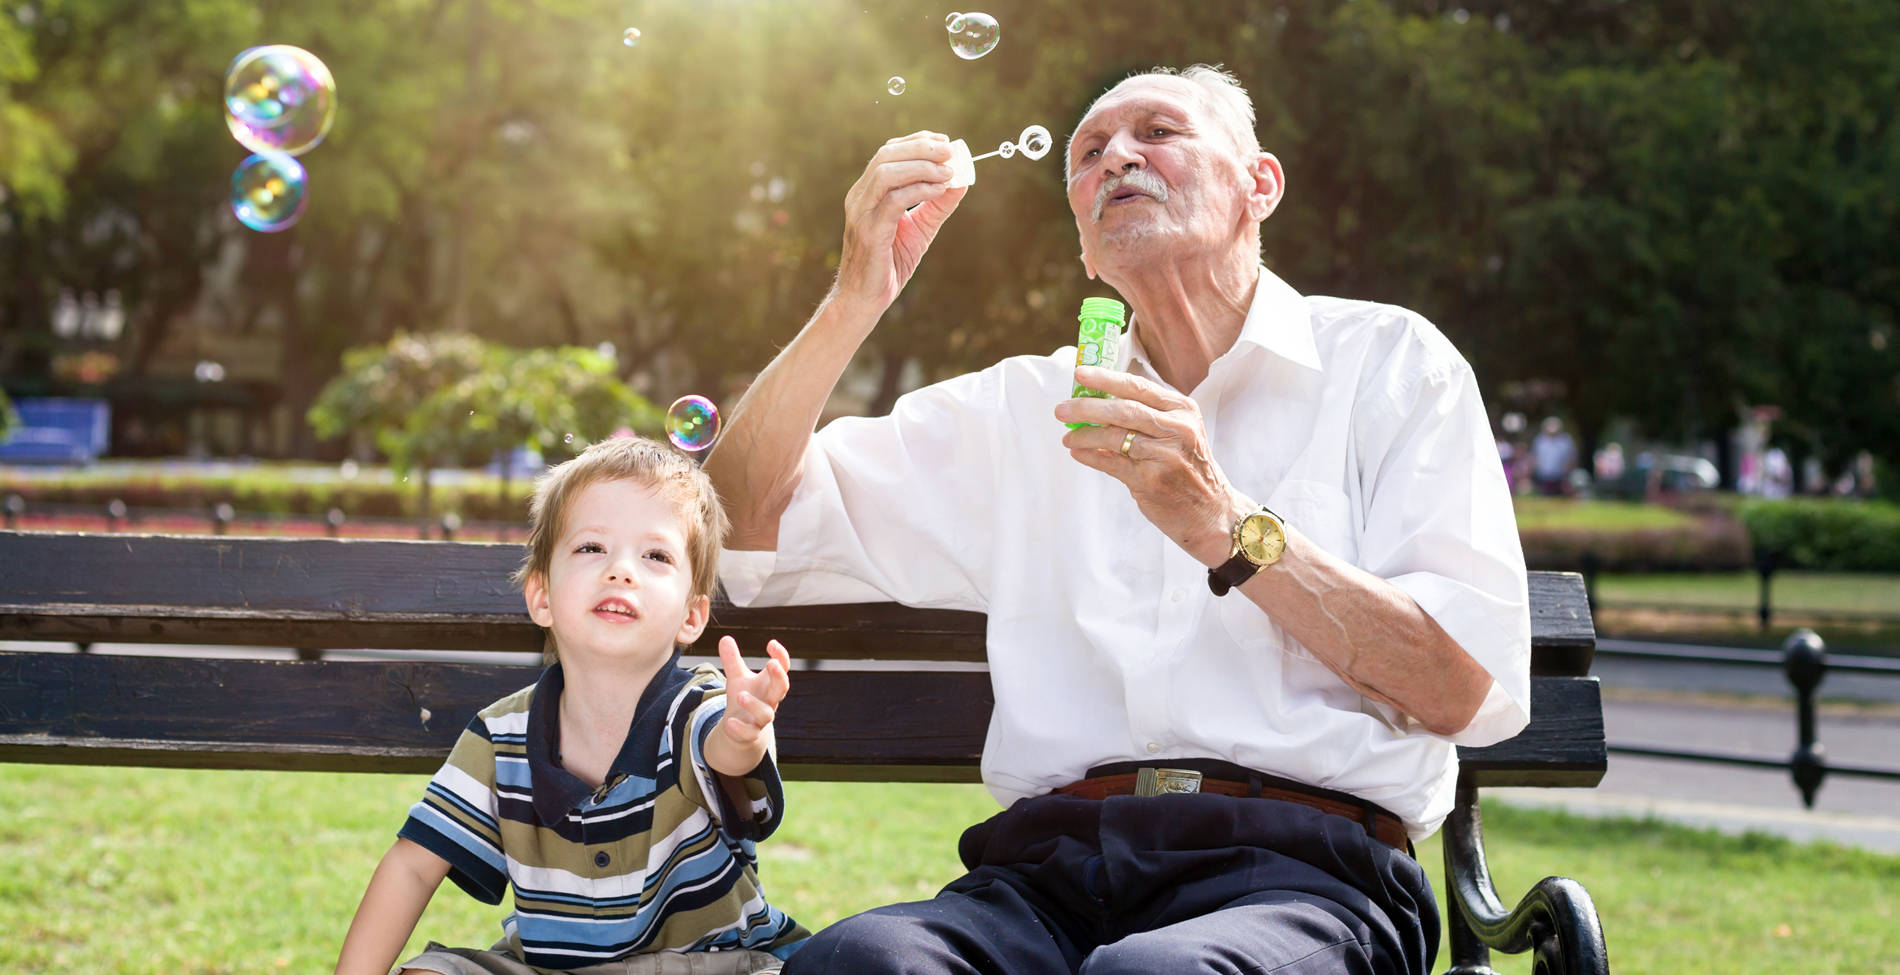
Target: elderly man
x=1236 y=627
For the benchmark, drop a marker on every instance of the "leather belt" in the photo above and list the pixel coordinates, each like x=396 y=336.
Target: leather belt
x=1227 y=779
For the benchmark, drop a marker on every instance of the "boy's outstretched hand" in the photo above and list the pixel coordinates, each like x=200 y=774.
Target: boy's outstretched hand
x=752 y=699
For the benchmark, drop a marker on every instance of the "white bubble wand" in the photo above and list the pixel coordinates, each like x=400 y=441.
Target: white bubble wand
x=1034 y=142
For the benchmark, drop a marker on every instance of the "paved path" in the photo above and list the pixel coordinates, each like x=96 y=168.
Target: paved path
x=1741 y=710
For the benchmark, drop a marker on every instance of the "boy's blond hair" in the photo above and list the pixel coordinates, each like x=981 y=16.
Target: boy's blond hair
x=648 y=462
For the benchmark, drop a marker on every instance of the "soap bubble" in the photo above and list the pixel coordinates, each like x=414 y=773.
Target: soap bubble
x=568 y=439
x=631 y=37
x=953 y=23
x=895 y=85
x=279 y=98
x=268 y=191
x=975 y=36
x=692 y=422
x=1006 y=150
x=1035 y=142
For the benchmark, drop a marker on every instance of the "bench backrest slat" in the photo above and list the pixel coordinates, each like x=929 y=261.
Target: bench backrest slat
x=369 y=716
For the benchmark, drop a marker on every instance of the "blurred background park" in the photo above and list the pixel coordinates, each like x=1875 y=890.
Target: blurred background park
x=1663 y=233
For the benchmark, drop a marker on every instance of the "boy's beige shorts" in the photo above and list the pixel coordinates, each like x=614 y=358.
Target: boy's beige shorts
x=498 y=961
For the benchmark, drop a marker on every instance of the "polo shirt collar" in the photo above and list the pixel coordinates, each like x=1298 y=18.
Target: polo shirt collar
x=558 y=791
x=1277 y=321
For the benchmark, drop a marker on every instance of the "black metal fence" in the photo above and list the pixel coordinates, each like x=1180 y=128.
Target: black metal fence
x=1767 y=565
x=1804 y=659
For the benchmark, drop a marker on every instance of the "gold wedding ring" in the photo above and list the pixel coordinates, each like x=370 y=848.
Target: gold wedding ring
x=1127 y=442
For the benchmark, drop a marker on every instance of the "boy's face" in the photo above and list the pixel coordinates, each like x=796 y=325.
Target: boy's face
x=619 y=588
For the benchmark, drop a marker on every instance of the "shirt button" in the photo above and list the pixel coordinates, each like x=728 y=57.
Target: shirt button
x=1179 y=594
x=1154 y=746
x=601 y=859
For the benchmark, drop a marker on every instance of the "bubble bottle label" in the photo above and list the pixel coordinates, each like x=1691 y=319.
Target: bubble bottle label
x=1098 y=342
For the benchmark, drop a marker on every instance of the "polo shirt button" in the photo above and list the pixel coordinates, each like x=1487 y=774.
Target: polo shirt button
x=601 y=859
x=1154 y=746
x=1179 y=594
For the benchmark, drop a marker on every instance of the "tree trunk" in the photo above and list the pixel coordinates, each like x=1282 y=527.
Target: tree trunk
x=889 y=383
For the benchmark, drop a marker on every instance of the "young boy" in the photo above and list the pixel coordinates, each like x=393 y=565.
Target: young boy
x=621 y=794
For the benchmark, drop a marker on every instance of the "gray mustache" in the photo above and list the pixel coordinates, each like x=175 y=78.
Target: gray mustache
x=1140 y=179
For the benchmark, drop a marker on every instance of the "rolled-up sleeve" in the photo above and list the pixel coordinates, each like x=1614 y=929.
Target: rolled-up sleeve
x=1439 y=525
x=886 y=508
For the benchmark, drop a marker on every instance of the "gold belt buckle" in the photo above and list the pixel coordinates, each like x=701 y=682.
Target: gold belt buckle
x=1161 y=781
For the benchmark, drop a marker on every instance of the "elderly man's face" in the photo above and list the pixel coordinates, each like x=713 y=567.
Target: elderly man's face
x=1154 y=166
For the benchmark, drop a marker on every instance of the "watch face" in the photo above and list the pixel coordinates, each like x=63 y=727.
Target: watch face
x=1261 y=539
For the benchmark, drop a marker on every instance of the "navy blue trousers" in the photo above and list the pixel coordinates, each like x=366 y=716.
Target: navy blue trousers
x=1167 y=884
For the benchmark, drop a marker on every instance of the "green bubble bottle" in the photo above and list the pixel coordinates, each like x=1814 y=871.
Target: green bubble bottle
x=1099 y=342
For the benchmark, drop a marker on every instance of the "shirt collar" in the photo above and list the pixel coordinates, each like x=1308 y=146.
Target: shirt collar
x=1277 y=321
x=558 y=791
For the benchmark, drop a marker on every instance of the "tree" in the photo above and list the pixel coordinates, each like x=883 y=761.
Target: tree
x=555 y=400
x=443 y=398
x=382 y=387
x=1663 y=209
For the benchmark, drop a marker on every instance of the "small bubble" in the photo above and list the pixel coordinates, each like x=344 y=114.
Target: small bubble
x=568 y=439
x=974 y=36
x=895 y=86
x=279 y=98
x=631 y=37
x=692 y=422
x=954 y=22
x=268 y=192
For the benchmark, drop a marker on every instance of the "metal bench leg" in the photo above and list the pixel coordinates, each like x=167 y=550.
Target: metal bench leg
x=1469 y=955
x=1556 y=921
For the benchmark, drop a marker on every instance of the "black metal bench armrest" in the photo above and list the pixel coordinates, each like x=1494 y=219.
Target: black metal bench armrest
x=1556 y=920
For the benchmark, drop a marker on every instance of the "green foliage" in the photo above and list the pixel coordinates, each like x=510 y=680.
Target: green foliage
x=555 y=400
x=453 y=398
x=272 y=493
x=9 y=417
x=1827 y=534
x=1661 y=210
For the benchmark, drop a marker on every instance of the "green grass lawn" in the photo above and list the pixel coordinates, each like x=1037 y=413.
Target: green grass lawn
x=1536 y=513
x=1848 y=592
x=150 y=871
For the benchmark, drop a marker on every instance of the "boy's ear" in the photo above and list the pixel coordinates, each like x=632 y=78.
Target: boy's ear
x=535 y=592
x=698 y=614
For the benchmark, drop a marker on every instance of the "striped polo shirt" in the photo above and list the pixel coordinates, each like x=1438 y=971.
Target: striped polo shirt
x=659 y=858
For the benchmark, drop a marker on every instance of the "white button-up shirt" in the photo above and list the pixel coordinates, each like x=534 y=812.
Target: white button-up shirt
x=1358 y=423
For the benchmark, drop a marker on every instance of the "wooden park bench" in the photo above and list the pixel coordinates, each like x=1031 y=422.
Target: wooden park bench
x=914 y=719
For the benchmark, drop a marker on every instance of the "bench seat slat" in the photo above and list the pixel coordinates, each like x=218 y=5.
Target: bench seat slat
x=324 y=593
x=367 y=716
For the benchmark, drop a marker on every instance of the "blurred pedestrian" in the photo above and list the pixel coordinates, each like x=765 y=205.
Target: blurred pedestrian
x=1553 y=456
x=1608 y=463
x=1777 y=475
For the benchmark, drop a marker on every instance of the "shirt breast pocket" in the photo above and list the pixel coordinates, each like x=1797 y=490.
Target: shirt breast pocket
x=1323 y=515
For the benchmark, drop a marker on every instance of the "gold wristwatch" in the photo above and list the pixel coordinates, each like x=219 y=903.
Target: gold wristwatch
x=1258 y=541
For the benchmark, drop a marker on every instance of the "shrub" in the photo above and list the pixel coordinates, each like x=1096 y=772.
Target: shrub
x=1830 y=534
x=271 y=494
x=1709 y=544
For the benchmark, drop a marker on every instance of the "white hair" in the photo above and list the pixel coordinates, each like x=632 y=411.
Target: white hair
x=1229 y=98
x=1220 y=89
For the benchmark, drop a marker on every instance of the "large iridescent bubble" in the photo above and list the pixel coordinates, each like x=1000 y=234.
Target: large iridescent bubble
x=973 y=35
x=692 y=423
x=279 y=98
x=268 y=191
